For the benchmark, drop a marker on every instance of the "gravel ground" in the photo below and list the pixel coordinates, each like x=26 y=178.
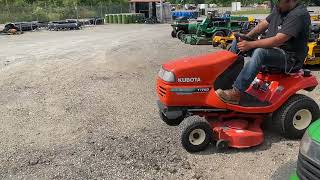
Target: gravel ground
x=81 y=105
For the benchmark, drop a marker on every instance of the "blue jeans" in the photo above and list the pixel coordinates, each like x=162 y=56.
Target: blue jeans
x=270 y=57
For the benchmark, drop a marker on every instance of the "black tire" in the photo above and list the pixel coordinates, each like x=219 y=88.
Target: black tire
x=297 y=108
x=215 y=44
x=173 y=33
x=180 y=34
x=219 y=33
x=171 y=122
x=222 y=46
x=222 y=145
x=193 y=129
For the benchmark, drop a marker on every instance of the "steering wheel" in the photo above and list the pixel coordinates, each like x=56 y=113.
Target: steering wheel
x=239 y=37
x=243 y=37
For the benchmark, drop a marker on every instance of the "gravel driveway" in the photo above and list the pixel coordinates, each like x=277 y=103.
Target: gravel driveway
x=81 y=105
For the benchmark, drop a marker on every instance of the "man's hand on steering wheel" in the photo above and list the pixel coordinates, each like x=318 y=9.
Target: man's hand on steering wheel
x=245 y=46
x=244 y=42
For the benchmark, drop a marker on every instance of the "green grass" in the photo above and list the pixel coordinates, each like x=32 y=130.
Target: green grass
x=256 y=11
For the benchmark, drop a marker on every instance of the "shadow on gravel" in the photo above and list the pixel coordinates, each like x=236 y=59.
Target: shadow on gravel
x=270 y=137
x=284 y=171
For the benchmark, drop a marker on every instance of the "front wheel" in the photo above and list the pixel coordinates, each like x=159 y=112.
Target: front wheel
x=196 y=134
x=222 y=145
x=173 y=33
x=295 y=116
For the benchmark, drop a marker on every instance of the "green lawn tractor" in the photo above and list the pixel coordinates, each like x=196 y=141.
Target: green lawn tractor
x=183 y=26
x=210 y=27
x=309 y=156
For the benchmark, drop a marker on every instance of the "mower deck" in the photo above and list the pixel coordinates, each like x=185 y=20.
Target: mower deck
x=239 y=133
x=229 y=128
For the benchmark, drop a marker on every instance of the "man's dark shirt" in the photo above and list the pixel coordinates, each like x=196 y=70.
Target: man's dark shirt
x=296 y=24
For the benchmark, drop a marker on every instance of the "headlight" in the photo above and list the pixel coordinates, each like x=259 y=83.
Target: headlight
x=305 y=143
x=310 y=148
x=166 y=75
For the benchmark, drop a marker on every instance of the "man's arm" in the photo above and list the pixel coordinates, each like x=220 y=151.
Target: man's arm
x=275 y=41
x=259 y=29
x=291 y=27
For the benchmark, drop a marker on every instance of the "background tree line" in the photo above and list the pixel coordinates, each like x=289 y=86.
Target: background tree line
x=103 y=2
x=60 y=2
x=47 y=10
x=225 y=3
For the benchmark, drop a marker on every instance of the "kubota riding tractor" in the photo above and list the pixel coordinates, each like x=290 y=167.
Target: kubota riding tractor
x=186 y=90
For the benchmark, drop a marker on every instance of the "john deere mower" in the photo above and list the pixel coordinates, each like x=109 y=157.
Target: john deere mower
x=183 y=25
x=213 y=27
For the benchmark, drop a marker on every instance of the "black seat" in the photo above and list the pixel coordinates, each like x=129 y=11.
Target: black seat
x=275 y=70
x=271 y=70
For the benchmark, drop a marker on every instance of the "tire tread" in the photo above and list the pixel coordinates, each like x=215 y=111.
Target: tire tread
x=279 y=117
x=186 y=126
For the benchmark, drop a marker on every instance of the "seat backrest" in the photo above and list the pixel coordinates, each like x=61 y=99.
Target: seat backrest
x=274 y=70
x=271 y=70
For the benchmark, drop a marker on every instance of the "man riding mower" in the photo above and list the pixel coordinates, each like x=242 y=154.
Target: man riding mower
x=215 y=97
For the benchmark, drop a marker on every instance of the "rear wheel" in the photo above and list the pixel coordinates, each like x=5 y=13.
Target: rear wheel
x=219 y=33
x=196 y=134
x=295 y=116
x=180 y=34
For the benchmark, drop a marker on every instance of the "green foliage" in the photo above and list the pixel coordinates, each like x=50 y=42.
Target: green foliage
x=46 y=10
x=49 y=10
x=225 y=2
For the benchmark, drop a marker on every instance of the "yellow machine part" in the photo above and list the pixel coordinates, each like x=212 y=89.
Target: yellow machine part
x=314 y=17
x=223 y=41
x=251 y=19
x=313 y=56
